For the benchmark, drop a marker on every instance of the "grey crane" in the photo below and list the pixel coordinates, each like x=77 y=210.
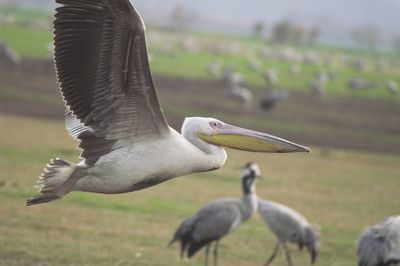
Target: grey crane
x=271 y=77
x=230 y=77
x=242 y=95
x=254 y=65
x=218 y=218
x=317 y=87
x=392 y=86
x=214 y=68
x=270 y=99
x=8 y=56
x=361 y=84
x=289 y=226
x=379 y=245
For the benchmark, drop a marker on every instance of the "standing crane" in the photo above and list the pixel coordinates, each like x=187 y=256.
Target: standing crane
x=289 y=226
x=270 y=99
x=8 y=56
x=271 y=77
x=218 y=218
x=242 y=95
x=392 y=86
x=379 y=245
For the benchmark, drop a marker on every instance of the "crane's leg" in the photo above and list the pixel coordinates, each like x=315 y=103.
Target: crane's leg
x=216 y=253
x=207 y=251
x=288 y=258
x=276 y=249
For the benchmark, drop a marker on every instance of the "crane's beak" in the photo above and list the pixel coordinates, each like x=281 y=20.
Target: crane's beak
x=249 y=140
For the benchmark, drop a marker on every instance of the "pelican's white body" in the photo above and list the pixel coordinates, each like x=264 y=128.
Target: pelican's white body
x=147 y=163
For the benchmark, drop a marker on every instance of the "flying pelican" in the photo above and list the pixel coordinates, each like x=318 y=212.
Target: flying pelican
x=289 y=226
x=112 y=109
x=218 y=218
x=379 y=245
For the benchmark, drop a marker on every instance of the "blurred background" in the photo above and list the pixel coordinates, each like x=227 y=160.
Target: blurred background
x=321 y=74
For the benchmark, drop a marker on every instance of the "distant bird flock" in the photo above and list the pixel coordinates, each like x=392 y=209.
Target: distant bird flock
x=111 y=108
x=320 y=83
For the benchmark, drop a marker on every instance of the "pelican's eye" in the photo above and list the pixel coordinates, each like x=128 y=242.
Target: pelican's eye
x=215 y=124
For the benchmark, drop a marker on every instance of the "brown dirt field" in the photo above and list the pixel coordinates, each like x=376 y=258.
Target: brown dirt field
x=331 y=122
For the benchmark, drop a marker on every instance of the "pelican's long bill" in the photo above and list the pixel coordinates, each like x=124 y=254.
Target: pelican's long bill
x=249 y=140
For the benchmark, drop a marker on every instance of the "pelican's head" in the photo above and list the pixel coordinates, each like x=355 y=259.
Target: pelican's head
x=218 y=133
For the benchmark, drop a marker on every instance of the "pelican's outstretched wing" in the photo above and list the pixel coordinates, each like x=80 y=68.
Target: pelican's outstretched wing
x=104 y=74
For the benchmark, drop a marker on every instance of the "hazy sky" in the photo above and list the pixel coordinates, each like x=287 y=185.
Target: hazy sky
x=335 y=17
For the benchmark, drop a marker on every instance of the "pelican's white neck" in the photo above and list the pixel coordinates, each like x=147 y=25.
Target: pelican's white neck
x=190 y=130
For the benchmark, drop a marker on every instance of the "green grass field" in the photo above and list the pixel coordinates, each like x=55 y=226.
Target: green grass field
x=35 y=48
x=341 y=191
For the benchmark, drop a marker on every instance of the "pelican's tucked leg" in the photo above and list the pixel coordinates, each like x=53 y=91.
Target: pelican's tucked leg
x=288 y=258
x=273 y=256
x=207 y=252
x=58 y=179
x=216 y=253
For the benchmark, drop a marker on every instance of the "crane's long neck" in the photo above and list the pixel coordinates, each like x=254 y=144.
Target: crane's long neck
x=249 y=203
x=249 y=198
